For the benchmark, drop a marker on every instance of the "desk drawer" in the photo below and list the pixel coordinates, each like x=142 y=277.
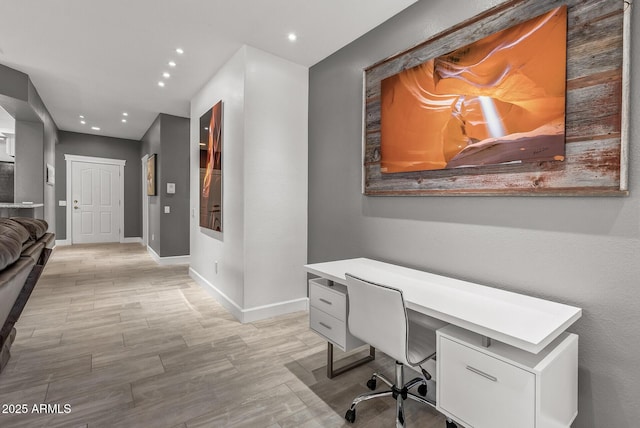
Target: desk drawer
x=331 y=328
x=482 y=391
x=328 y=300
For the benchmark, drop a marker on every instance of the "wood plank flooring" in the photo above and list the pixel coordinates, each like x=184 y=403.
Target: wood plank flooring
x=123 y=342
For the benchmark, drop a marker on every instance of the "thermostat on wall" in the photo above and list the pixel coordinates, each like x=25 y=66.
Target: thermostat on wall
x=171 y=187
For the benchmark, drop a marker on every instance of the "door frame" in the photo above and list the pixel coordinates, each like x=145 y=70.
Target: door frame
x=89 y=159
x=145 y=202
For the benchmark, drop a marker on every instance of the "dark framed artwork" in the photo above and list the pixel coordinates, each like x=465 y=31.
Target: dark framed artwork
x=527 y=98
x=151 y=175
x=211 y=168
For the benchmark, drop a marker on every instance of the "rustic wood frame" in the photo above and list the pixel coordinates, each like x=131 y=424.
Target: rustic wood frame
x=597 y=107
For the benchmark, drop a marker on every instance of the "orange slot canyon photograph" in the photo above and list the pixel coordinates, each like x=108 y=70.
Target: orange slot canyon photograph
x=498 y=100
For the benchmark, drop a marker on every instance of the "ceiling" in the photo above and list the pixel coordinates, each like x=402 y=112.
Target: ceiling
x=100 y=59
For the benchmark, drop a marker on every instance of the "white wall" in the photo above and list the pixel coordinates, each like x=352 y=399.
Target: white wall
x=4 y=157
x=264 y=242
x=206 y=246
x=276 y=133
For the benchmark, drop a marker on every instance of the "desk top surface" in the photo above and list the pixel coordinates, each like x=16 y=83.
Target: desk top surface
x=518 y=320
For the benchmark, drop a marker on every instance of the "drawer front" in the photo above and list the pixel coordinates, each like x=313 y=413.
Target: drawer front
x=329 y=327
x=482 y=391
x=327 y=300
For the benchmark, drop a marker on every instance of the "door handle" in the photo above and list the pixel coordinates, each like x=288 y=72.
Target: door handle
x=76 y=207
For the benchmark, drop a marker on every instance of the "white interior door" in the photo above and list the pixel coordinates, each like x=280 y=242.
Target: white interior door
x=95 y=197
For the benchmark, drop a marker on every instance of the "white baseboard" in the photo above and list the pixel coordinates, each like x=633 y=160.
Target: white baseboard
x=132 y=240
x=275 y=309
x=222 y=298
x=251 y=314
x=164 y=261
x=63 y=242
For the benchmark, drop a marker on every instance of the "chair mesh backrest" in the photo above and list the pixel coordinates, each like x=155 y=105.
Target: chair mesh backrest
x=377 y=316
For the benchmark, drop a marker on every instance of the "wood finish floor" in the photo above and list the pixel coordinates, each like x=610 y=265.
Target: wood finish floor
x=127 y=343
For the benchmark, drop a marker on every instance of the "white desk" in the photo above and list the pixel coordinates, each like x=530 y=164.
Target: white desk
x=527 y=378
x=521 y=321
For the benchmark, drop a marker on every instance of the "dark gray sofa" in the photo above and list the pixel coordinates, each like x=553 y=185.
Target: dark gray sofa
x=25 y=247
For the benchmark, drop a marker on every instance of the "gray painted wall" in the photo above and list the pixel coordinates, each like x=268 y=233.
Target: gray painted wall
x=50 y=139
x=581 y=251
x=175 y=169
x=20 y=98
x=168 y=138
x=29 y=165
x=13 y=83
x=73 y=143
x=150 y=144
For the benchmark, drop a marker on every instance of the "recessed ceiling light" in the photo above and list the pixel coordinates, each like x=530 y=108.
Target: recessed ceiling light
x=172 y=63
x=82 y=122
x=81 y=117
x=166 y=75
x=179 y=51
x=161 y=84
x=125 y=114
x=124 y=120
x=95 y=128
x=292 y=37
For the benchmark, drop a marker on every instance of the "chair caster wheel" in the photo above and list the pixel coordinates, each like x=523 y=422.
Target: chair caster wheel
x=371 y=384
x=350 y=416
x=451 y=424
x=422 y=390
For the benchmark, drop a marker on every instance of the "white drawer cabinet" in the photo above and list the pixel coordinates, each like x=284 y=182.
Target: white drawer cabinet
x=331 y=300
x=328 y=314
x=502 y=386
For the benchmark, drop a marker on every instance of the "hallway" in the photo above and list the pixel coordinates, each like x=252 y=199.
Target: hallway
x=123 y=342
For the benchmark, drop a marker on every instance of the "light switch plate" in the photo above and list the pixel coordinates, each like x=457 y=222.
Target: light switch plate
x=171 y=187
x=167 y=209
x=62 y=203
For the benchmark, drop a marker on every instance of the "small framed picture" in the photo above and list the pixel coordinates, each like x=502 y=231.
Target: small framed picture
x=51 y=175
x=151 y=175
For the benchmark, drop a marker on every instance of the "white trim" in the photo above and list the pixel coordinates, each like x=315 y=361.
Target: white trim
x=363 y=147
x=626 y=95
x=165 y=261
x=251 y=314
x=222 y=298
x=275 y=309
x=145 y=201
x=89 y=159
x=63 y=242
x=131 y=240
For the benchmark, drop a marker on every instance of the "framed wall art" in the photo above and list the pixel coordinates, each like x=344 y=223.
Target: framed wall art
x=211 y=168
x=151 y=175
x=528 y=98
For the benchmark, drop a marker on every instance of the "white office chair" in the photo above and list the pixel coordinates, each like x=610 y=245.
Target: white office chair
x=378 y=316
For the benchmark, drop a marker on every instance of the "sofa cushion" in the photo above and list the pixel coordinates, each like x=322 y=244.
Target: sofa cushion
x=33 y=251
x=49 y=240
x=10 y=250
x=8 y=226
x=12 y=281
x=35 y=226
